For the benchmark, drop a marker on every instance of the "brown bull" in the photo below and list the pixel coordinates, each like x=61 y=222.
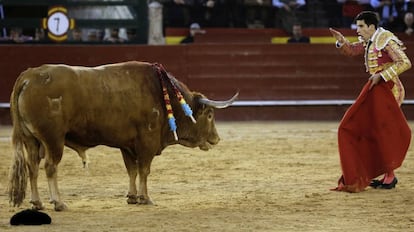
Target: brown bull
x=126 y=106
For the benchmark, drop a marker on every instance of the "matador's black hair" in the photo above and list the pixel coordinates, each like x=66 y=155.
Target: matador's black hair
x=369 y=17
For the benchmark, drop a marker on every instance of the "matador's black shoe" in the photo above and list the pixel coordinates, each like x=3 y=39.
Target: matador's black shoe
x=390 y=185
x=375 y=183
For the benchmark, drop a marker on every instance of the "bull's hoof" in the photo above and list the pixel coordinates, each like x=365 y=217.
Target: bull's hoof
x=59 y=206
x=37 y=205
x=132 y=199
x=144 y=201
x=141 y=200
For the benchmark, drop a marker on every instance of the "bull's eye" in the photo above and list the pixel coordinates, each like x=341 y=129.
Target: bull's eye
x=210 y=115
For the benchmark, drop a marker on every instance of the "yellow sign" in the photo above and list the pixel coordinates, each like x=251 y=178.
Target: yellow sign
x=58 y=23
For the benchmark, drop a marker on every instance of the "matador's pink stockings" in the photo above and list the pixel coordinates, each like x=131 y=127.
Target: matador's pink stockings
x=388 y=177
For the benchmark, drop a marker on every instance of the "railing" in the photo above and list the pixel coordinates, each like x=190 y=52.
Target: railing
x=4 y=105
x=337 y=102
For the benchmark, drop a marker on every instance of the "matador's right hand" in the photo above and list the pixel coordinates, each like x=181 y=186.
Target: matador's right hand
x=338 y=36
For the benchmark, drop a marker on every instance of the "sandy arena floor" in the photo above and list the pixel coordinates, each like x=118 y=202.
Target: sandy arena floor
x=262 y=176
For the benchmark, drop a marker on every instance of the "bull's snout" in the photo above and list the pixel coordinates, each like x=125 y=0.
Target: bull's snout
x=213 y=139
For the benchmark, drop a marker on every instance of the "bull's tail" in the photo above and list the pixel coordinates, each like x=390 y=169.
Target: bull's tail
x=18 y=173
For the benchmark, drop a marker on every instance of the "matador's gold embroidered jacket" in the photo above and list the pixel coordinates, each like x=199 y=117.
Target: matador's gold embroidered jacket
x=384 y=54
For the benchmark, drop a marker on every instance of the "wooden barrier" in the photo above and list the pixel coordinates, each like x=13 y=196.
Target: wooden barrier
x=241 y=35
x=261 y=72
x=266 y=35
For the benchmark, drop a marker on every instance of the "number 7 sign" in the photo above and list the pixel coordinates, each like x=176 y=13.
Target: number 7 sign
x=58 y=23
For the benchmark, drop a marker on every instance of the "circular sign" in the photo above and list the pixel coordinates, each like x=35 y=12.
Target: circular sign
x=58 y=23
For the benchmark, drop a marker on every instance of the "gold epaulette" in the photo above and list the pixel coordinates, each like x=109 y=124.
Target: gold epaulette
x=383 y=37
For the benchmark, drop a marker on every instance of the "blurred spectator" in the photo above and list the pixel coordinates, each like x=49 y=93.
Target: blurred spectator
x=113 y=36
x=40 y=35
x=212 y=13
x=194 y=29
x=408 y=22
x=178 y=13
x=407 y=5
x=258 y=13
x=131 y=35
x=333 y=11
x=350 y=9
x=388 y=11
x=93 y=36
x=297 y=36
x=16 y=36
x=403 y=6
x=76 y=35
x=286 y=12
x=234 y=12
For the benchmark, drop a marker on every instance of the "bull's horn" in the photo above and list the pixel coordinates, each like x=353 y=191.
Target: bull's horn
x=219 y=104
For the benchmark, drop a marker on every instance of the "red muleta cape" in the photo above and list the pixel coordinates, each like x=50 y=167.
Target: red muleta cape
x=373 y=137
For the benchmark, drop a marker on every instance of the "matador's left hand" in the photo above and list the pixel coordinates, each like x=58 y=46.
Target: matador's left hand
x=375 y=78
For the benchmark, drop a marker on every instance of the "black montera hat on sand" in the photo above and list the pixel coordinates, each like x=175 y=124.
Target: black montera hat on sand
x=30 y=217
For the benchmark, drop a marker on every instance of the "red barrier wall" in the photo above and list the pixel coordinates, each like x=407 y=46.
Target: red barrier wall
x=258 y=71
x=242 y=35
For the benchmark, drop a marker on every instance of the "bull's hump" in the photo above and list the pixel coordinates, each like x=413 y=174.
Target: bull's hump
x=123 y=64
x=45 y=67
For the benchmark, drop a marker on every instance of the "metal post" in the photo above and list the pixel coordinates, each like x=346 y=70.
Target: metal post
x=155 y=35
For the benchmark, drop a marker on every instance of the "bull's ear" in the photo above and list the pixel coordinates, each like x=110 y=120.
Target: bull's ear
x=199 y=108
x=198 y=105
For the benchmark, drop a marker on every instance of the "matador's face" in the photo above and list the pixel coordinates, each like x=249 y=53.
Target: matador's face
x=364 y=30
